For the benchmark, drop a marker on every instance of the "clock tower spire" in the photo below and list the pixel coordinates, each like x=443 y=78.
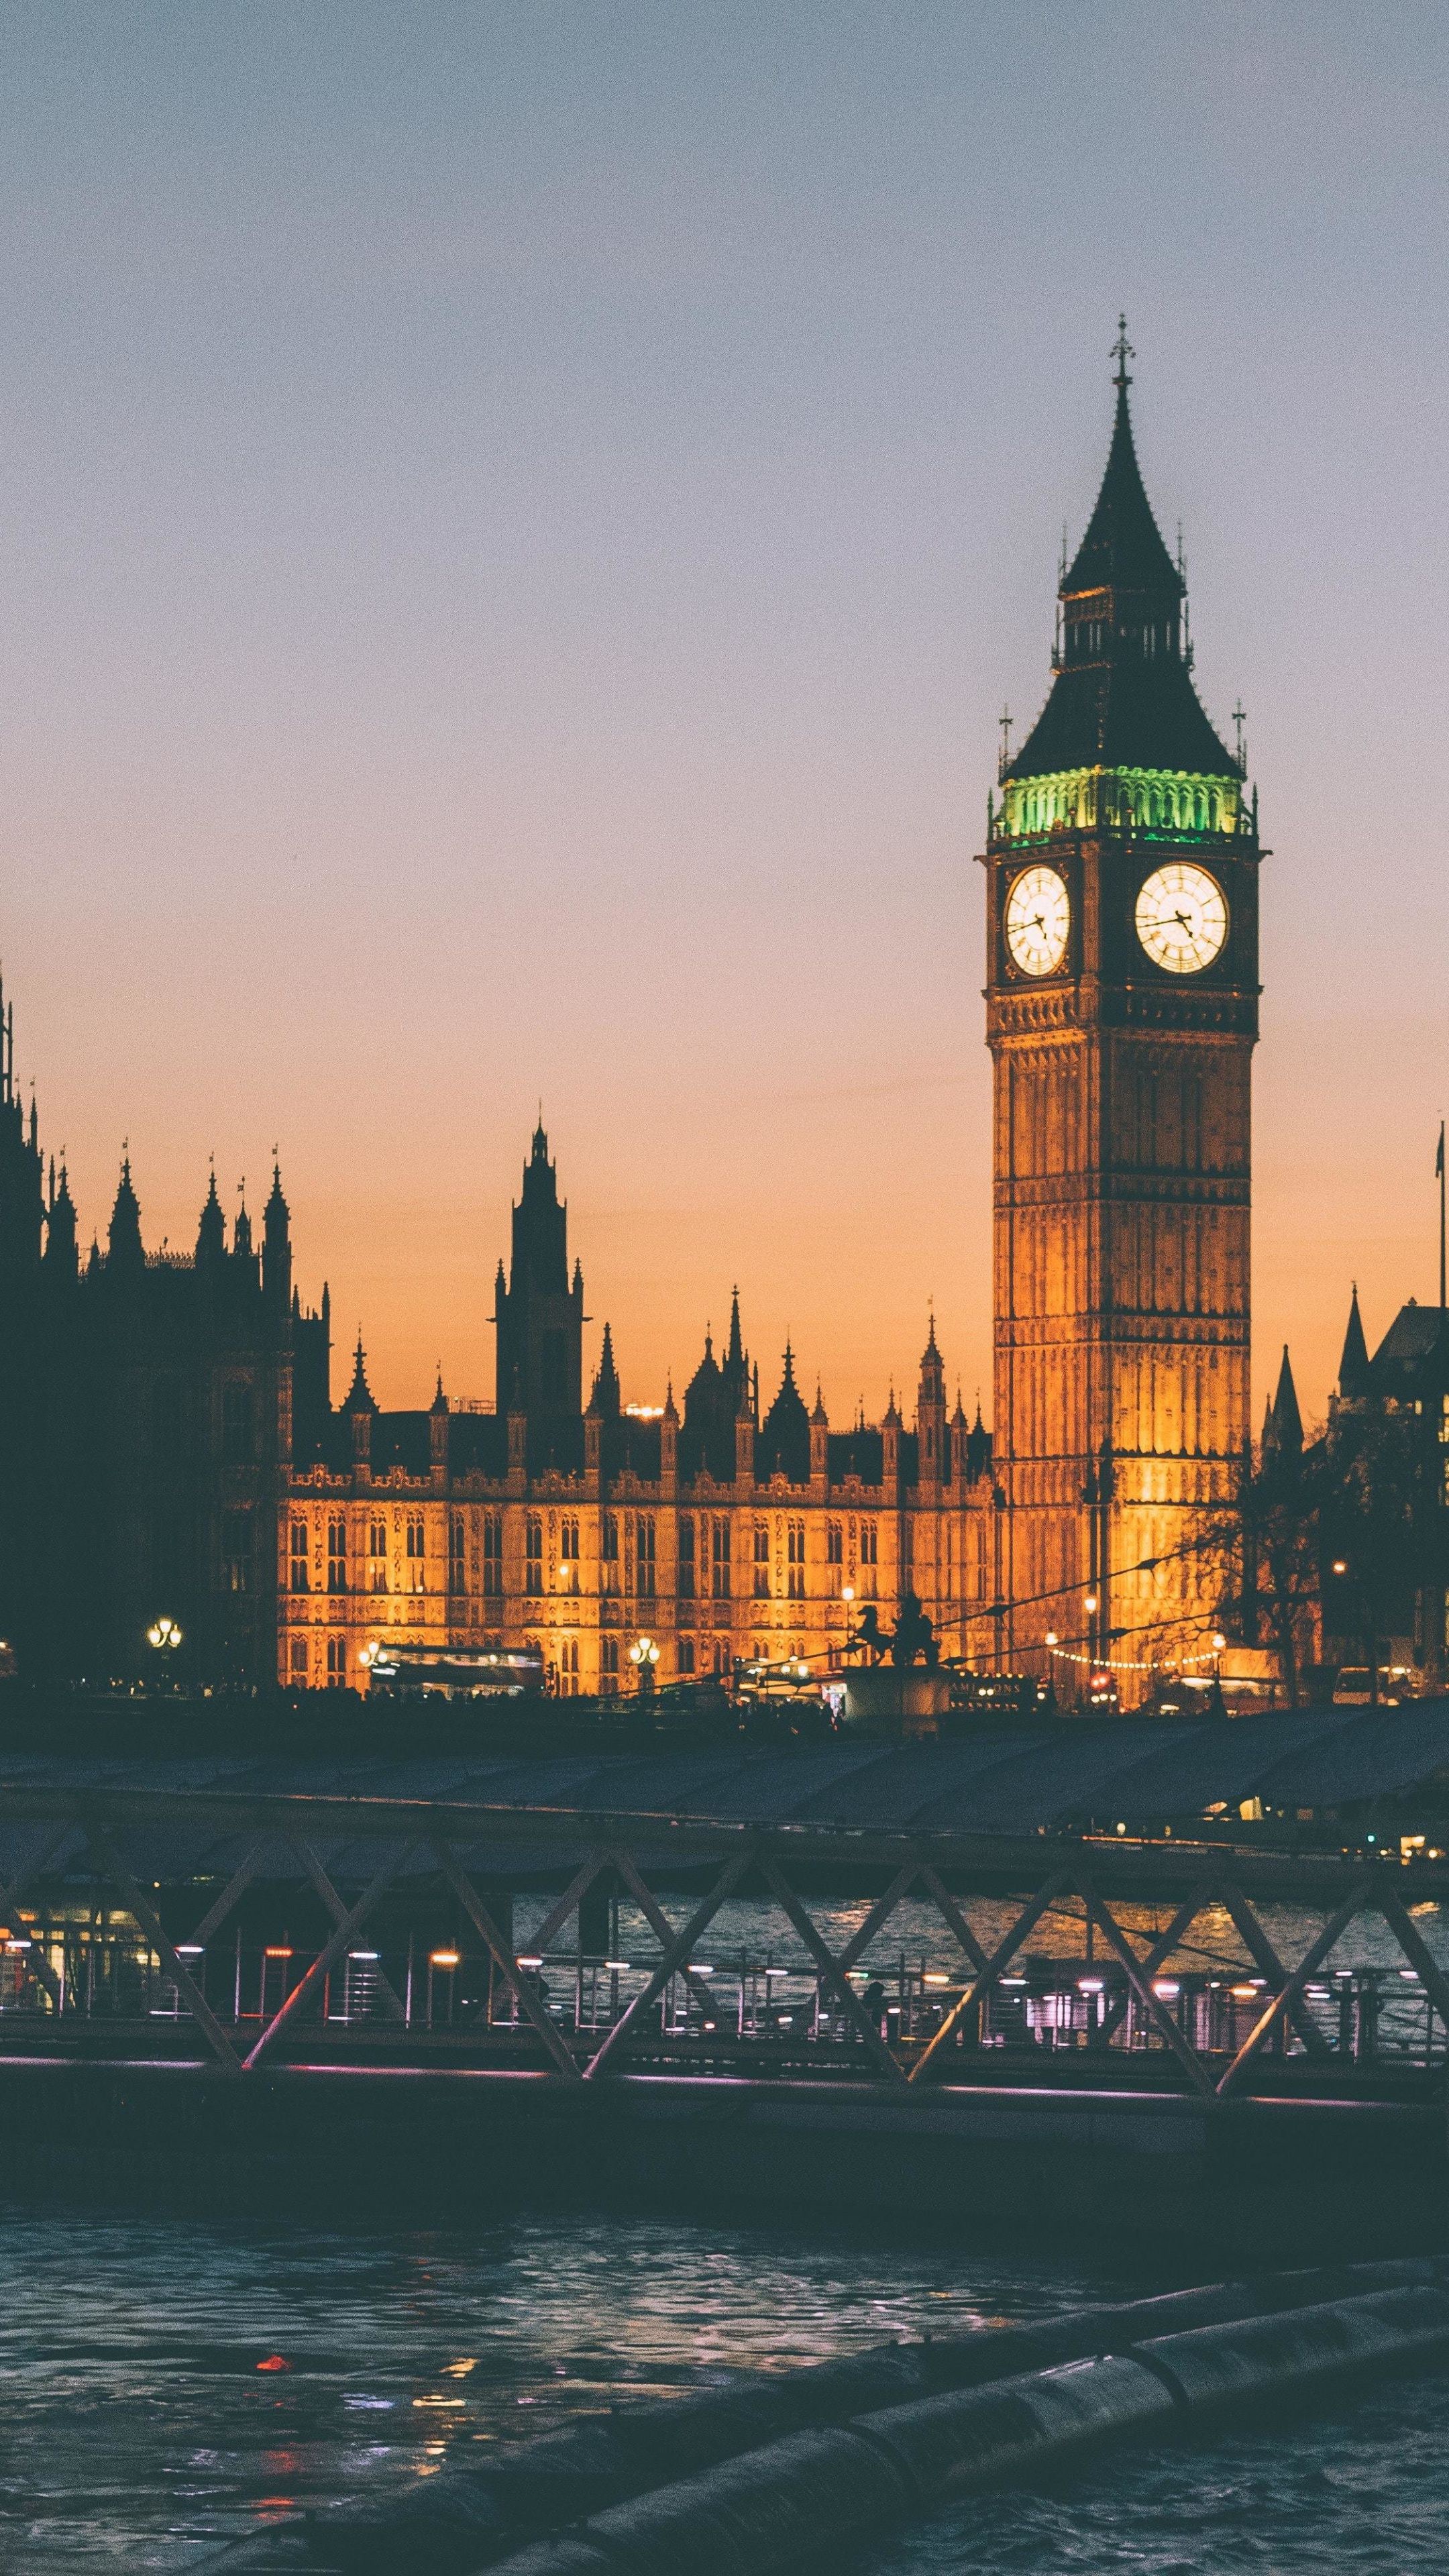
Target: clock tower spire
x=1122 y=993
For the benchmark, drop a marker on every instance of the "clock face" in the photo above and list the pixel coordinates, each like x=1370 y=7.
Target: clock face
x=1182 y=918
x=1038 y=917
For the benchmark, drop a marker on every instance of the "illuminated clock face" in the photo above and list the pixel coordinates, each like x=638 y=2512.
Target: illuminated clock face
x=1182 y=918
x=1038 y=917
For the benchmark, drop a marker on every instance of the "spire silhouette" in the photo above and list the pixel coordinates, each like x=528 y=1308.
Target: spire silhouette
x=1123 y=546
x=1353 y=1368
x=211 y=1232
x=1283 y=1428
x=359 y=1397
x=1123 y=695
x=785 y=1431
x=605 y=1399
x=126 y=1251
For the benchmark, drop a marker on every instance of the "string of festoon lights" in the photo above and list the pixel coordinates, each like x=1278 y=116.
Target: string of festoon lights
x=1131 y=1663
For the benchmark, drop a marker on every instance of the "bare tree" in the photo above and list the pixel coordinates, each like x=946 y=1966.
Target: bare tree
x=1381 y=1526
x=1263 y=1550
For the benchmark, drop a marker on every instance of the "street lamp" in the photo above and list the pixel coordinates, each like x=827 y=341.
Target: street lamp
x=644 y=1656
x=1091 y=1601
x=369 y=1654
x=1051 y=1636
x=164 y=1636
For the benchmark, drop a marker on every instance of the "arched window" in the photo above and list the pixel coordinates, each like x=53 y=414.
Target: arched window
x=236 y=1550
x=238 y=1440
x=492 y=1555
x=762 y=1561
x=869 y=1558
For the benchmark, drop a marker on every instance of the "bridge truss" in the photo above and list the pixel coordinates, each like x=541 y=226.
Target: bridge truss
x=153 y=1851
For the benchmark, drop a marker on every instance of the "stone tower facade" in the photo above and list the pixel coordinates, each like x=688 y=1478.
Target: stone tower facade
x=539 y=1312
x=1122 y=1012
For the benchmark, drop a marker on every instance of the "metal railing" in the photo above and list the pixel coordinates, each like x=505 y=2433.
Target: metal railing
x=64 y=1974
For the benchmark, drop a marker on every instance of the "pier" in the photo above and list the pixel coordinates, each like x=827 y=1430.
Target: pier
x=1002 y=1964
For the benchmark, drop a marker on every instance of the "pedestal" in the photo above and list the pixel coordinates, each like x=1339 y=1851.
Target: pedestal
x=880 y=1700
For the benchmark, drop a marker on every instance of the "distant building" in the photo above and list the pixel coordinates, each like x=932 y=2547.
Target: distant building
x=1407 y=1379
x=149 y=1407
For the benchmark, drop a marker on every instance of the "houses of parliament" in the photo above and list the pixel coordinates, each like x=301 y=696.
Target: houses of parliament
x=177 y=1419
x=173 y=1447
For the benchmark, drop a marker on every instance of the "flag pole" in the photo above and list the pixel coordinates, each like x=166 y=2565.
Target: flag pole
x=1439 y=1168
x=1440 y=1171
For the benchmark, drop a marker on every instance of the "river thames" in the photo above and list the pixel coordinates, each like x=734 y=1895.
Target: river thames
x=142 y=2430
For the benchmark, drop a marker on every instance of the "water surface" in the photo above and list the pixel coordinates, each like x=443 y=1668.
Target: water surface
x=140 y=2428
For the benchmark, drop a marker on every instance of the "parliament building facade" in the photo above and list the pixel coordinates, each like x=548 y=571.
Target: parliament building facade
x=181 y=1458
x=172 y=1447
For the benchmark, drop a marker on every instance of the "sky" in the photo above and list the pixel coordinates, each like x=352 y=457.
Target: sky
x=516 y=527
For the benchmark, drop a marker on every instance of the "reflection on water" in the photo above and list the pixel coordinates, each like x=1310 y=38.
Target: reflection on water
x=142 y=2424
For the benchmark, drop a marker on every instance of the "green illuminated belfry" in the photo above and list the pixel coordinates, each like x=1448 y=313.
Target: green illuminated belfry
x=1122 y=737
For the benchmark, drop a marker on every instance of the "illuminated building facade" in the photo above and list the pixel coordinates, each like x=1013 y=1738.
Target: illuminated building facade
x=718 y=1533
x=1122 y=1011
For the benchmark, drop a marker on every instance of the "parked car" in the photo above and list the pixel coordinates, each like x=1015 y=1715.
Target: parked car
x=1396 y=1682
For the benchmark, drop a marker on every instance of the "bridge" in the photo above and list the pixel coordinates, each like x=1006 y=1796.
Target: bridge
x=1021 y=1933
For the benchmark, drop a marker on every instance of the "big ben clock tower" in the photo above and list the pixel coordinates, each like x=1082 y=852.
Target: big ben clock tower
x=1122 y=1011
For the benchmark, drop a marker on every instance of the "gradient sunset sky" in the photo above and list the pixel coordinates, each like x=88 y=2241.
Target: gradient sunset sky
x=517 y=525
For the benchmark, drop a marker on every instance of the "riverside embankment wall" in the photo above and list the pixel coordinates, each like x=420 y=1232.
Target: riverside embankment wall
x=1264 y=2178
